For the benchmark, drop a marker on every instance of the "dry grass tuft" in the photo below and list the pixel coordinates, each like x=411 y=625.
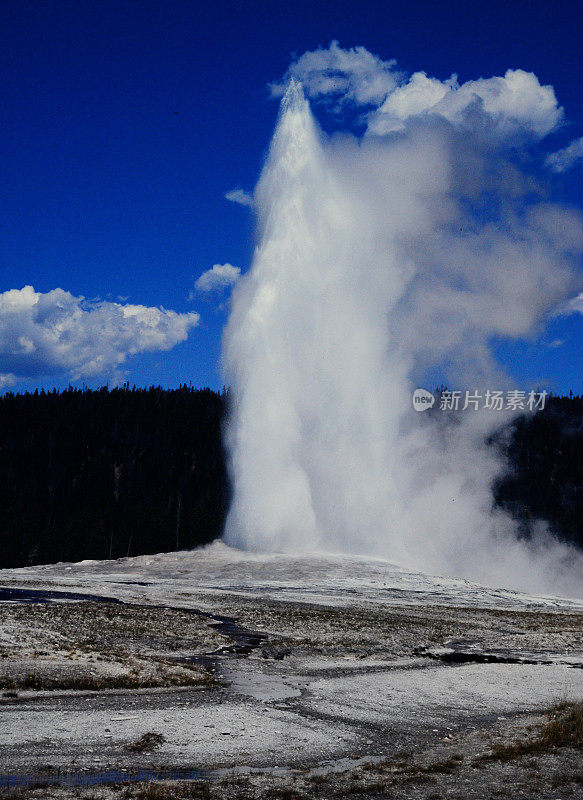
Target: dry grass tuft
x=148 y=741
x=564 y=729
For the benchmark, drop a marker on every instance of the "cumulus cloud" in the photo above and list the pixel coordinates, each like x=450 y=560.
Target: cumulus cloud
x=239 y=196
x=56 y=333
x=506 y=108
x=515 y=105
x=219 y=277
x=339 y=75
x=564 y=159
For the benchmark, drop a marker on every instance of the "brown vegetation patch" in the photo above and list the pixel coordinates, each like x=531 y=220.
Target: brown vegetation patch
x=563 y=729
x=148 y=741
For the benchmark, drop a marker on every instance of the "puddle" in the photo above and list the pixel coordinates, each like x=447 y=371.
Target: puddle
x=47 y=596
x=97 y=778
x=244 y=640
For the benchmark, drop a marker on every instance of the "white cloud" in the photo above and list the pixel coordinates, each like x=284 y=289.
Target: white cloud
x=239 y=196
x=415 y=97
x=564 y=159
x=513 y=106
x=347 y=75
x=507 y=108
x=573 y=306
x=219 y=277
x=7 y=379
x=56 y=333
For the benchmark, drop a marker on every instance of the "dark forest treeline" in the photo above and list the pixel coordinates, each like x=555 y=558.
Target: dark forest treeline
x=103 y=474
x=545 y=455
x=106 y=474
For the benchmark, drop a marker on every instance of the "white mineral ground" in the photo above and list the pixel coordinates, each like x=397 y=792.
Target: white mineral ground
x=351 y=666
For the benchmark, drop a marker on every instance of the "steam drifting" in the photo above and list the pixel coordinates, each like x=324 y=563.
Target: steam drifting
x=378 y=259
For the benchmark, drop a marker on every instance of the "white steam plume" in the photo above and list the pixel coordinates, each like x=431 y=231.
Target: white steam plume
x=377 y=260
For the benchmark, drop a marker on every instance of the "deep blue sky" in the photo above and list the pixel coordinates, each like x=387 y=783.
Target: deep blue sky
x=124 y=123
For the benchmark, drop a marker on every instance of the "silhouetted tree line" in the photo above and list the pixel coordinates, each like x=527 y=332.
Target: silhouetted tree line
x=106 y=474
x=545 y=455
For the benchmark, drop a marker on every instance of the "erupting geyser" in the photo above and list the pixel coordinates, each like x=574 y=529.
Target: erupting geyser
x=375 y=262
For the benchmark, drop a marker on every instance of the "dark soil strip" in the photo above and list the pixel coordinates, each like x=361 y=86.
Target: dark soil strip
x=461 y=657
x=468 y=657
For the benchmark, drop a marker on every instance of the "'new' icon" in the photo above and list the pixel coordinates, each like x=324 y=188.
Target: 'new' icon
x=422 y=399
